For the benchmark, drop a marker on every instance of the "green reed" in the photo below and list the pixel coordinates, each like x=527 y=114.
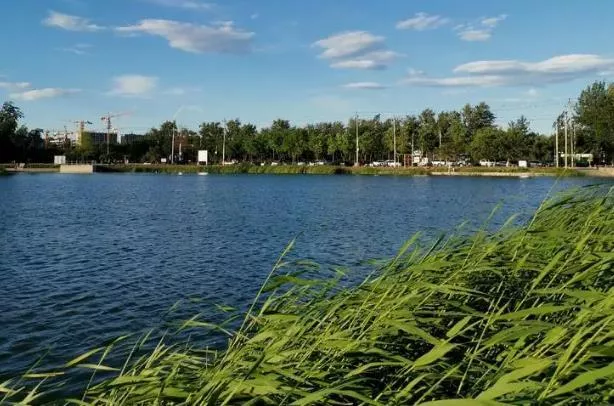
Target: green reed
x=522 y=315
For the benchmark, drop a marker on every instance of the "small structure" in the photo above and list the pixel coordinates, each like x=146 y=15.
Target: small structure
x=203 y=156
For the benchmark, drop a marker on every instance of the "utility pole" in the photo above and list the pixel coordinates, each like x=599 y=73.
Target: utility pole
x=412 y=148
x=356 y=162
x=571 y=139
x=394 y=139
x=573 y=146
x=173 y=142
x=224 y=144
x=556 y=144
x=566 y=125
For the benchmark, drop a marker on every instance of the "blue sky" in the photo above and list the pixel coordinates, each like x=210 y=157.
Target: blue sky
x=306 y=61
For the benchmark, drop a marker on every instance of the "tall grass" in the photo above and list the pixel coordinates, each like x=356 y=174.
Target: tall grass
x=516 y=316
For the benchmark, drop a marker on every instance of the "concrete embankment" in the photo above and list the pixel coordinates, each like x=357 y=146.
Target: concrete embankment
x=50 y=169
x=76 y=168
x=599 y=172
x=495 y=174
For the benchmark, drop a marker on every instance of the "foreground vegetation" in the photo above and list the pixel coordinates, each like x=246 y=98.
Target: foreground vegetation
x=469 y=133
x=516 y=316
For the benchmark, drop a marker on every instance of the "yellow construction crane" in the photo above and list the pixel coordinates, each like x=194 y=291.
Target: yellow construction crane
x=81 y=129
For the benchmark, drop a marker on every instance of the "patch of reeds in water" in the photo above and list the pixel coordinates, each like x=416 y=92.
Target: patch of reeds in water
x=517 y=316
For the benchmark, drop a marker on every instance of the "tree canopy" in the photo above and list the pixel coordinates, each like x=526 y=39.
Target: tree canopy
x=469 y=133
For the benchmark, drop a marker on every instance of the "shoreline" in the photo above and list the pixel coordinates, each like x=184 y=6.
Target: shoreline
x=340 y=170
x=330 y=170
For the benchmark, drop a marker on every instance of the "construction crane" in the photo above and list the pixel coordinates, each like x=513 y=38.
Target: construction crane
x=109 y=126
x=81 y=129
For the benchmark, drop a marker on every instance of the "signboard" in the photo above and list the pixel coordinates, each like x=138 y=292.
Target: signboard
x=163 y=160
x=203 y=156
x=59 y=160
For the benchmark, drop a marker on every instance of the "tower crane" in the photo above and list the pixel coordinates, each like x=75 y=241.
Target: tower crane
x=81 y=129
x=107 y=120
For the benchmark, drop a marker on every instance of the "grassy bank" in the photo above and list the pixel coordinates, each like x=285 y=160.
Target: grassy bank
x=519 y=316
x=333 y=170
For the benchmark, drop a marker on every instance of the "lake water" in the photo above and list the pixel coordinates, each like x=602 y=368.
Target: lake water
x=88 y=258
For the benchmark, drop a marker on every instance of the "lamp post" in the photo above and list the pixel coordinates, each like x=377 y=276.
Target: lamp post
x=356 y=122
x=224 y=144
x=173 y=137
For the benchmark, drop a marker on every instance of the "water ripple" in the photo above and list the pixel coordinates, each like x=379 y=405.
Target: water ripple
x=84 y=259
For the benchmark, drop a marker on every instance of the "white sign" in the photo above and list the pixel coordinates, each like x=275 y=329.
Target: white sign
x=203 y=156
x=523 y=164
x=59 y=159
x=163 y=160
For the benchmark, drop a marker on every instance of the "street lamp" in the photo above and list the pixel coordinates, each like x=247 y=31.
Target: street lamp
x=173 y=137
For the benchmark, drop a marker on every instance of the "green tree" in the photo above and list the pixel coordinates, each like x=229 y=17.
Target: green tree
x=595 y=113
x=486 y=144
x=428 y=133
x=476 y=118
x=211 y=139
x=9 y=121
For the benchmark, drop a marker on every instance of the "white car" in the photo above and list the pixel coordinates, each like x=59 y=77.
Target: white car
x=392 y=163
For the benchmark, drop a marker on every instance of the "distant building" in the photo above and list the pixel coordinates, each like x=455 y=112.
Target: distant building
x=98 y=138
x=132 y=138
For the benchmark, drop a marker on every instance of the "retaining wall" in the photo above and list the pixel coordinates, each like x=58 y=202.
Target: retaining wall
x=76 y=168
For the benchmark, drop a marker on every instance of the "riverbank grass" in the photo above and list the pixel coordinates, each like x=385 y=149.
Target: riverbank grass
x=337 y=170
x=516 y=316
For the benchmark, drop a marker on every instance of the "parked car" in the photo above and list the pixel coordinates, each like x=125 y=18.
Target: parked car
x=392 y=163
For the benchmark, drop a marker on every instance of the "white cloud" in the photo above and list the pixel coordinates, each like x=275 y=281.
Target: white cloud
x=483 y=32
x=349 y=43
x=181 y=91
x=186 y=4
x=473 y=35
x=78 y=49
x=356 y=50
x=422 y=21
x=469 y=81
x=564 y=64
x=532 y=92
x=558 y=69
x=492 y=22
x=70 y=22
x=46 y=93
x=371 y=61
x=364 y=85
x=133 y=85
x=14 y=85
x=224 y=38
x=254 y=16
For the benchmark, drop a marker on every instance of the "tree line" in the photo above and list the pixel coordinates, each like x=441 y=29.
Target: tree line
x=469 y=133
